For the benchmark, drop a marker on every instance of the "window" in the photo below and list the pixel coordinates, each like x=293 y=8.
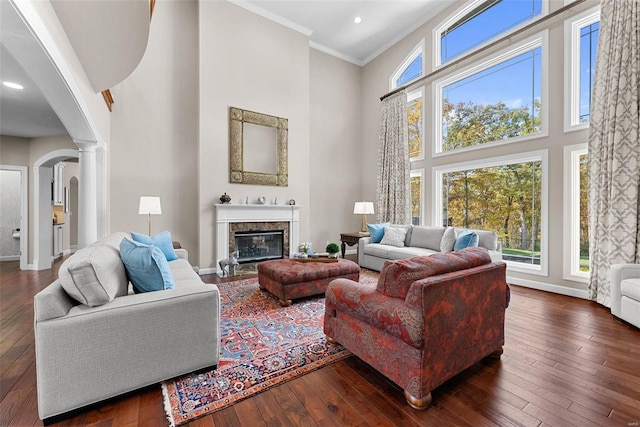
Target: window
x=410 y=69
x=479 y=22
x=581 y=39
x=576 y=219
x=505 y=194
x=415 y=120
x=497 y=100
x=417 y=196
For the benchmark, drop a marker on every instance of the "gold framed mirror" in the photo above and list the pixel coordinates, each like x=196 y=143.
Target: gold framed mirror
x=258 y=152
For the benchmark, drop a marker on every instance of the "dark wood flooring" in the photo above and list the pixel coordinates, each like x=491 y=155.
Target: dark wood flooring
x=567 y=362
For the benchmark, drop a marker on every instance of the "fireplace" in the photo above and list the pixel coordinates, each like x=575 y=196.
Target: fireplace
x=246 y=219
x=256 y=246
x=259 y=241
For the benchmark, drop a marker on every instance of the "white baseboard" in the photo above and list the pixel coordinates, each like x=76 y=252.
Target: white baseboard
x=202 y=271
x=10 y=258
x=30 y=267
x=66 y=252
x=556 y=289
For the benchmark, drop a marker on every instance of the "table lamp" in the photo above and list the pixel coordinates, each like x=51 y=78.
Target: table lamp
x=149 y=205
x=364 y=209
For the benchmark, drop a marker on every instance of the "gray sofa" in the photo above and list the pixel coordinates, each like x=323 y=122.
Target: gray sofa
x=85 y=354
x=422 y=241
x=625 y=292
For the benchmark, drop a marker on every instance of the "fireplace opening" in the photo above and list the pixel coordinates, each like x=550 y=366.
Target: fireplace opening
x=256 y=246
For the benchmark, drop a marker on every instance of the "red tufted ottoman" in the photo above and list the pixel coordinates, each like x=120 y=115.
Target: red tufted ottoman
x=288 y=279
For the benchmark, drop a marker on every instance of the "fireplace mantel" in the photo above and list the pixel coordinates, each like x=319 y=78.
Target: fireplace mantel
x=230 y=213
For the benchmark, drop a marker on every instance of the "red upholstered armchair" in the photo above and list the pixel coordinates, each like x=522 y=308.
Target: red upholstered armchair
x=429 y=318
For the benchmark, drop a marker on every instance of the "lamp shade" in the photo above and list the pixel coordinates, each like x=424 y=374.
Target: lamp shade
x=364 y=208
x=149 y=205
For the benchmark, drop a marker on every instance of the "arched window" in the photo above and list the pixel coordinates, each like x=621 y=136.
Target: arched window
x=479 y=22
x=410 y=69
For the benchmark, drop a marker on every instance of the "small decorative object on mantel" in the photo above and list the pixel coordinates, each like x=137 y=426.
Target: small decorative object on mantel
x=292 y=202
x=332 y=249
x=261 y=200
x=225 y=199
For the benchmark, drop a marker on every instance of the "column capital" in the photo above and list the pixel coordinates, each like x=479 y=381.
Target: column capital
x=90 y=146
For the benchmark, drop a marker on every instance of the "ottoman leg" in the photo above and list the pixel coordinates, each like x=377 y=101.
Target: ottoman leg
x=331 y=340
x=283 y=303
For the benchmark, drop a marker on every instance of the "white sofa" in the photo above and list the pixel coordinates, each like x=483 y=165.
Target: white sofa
x=421 y=241
x=625 y=292
x=85 y=354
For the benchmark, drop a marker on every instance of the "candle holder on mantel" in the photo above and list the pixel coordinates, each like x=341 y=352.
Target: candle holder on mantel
x=225 y=199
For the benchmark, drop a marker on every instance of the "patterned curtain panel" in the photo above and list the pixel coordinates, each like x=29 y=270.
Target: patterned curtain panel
x=393 y=195
x=614 y=146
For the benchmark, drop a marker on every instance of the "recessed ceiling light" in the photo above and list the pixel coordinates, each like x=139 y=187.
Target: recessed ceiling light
x=13 y=85
x=357 y=20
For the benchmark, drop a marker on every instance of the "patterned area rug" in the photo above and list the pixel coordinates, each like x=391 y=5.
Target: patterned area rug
x=262 y=345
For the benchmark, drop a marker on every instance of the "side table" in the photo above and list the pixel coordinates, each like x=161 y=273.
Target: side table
x=351 y=239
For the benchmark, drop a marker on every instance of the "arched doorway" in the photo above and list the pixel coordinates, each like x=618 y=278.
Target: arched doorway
x=42 y=210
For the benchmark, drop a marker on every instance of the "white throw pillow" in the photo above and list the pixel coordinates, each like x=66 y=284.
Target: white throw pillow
x=448 y=240
x=394 y=236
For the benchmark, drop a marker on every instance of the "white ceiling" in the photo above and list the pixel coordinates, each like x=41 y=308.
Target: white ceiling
x=328 y=23
x=330 y=27
x=25 y=113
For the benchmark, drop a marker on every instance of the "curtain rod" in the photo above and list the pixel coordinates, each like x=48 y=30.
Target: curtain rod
x=485 y=47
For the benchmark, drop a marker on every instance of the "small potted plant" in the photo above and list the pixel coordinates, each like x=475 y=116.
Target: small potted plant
x=332 y=249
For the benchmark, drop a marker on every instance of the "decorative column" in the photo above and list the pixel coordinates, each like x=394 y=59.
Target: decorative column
x=87 y=194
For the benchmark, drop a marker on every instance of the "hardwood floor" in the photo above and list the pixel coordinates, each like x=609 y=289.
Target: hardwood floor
x=566 y=362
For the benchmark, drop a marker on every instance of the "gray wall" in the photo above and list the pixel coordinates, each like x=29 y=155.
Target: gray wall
x=10 y=212
x=335 y=156
x=249 y=62
x=154 y=130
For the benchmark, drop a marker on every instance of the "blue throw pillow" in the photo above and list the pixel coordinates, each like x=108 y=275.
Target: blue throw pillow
x=146 y=266
x=377 y=231
x=466 y=239
x=161 y=240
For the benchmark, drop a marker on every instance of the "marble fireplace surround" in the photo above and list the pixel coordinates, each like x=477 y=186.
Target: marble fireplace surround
x=231 y=218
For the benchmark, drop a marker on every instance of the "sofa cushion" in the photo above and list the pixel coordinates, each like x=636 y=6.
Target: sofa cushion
x=397 y=276
x=466 y=239
x=161 y=240
x=94 y=275
x=377 y=249
x=407 y=252
x=146 y=266
x=426 y=237
x=394 y=236
x=377 y=231
x=448 y=240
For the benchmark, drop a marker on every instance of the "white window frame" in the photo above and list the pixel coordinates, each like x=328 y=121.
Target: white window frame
x=457 y=15
x=531 y=156
x=571 y=217
x=420 y=173
x=572 y=29
x=419 y=49
x=539 y=40
x=413 y=95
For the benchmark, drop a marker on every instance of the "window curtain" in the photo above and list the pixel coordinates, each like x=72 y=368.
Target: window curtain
x=614 y=146
x=393 y=195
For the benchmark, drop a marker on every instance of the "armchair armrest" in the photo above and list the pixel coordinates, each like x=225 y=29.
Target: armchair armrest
x=365 y=303
x=618 y=273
